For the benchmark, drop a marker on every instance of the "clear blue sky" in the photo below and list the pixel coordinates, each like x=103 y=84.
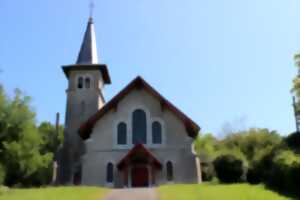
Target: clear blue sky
x=218 y=61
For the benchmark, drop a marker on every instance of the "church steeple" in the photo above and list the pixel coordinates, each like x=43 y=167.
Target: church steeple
x=88 y=51
x=86 y=81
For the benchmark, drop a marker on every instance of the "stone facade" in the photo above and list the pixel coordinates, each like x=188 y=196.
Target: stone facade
x=102 y=147
x=137 y=139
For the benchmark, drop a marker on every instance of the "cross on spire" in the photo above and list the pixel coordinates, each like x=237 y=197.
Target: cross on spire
x=92 y=6
x=88 y=50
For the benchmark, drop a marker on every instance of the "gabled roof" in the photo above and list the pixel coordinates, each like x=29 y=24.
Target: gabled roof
x=88 y=51
x=139 y=151
x=138 y=83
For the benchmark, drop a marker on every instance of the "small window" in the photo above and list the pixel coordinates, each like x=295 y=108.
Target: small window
x=169 y=171
x=80 y=83
x=156 y=133
x=110 y=173
x=87 y=83
x=122 y=133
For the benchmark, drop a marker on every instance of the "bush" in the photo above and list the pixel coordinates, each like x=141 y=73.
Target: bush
x=285 y=172
x=229 y=168
x=254 y=175
x=207 y=171
x=2 y=174
x=259 y=170
x=293 y=178
x=293 y=141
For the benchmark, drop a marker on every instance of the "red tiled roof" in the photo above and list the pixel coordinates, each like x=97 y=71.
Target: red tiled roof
x=86 y=128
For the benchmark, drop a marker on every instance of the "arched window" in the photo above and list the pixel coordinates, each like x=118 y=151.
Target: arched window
x=80 y=83
x=82 y=110
x=156 y=133
x=139 y=127
x=169 y=171
x=122 y=133
x=87 y=82
x=77 y=175
x=109 y=173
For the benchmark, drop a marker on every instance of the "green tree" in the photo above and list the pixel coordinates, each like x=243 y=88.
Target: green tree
x=52 y=138
x=229 y=169
x=253 y=143
x=20 y=140
x=206 y=146
x=296 y=83
x=297 y=64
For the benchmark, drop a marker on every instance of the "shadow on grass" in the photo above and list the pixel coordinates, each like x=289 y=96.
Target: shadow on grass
x=295 y=195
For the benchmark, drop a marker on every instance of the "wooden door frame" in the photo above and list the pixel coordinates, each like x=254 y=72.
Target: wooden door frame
x=150 y=175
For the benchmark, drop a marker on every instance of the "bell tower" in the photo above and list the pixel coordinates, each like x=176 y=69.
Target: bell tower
x=86 y=81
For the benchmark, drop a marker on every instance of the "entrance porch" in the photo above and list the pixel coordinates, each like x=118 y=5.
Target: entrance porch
x=139 y=167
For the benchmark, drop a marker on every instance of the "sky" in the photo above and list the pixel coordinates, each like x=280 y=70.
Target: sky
x=228 y=64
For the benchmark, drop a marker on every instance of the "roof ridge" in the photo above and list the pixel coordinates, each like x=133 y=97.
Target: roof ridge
x=86 y=128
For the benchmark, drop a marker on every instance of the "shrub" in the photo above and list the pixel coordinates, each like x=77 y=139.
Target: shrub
x=285 y=172
x=2 y=174
x=293 y=178
x=254 y=175
x=259 y=169
x=207 y=171
x=293 y=141
x=229 y=168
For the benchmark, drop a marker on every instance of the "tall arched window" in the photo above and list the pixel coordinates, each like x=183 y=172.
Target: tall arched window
x=82 y=110
x=109 y=173
x=122 y=133
x=169 y=171
x=139 y=127
x=80 y=83
x=87 y=82
x=77 y=175
x=156 y=133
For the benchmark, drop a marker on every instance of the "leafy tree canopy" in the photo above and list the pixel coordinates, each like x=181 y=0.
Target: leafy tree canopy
x=25 y=149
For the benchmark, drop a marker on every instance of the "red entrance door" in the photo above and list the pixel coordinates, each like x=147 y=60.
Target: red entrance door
x=140 y=177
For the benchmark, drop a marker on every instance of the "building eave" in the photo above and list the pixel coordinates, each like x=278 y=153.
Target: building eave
x=83 y=67
x=86 y=128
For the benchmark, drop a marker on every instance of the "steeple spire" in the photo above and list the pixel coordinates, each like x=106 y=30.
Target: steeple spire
x=88 y=52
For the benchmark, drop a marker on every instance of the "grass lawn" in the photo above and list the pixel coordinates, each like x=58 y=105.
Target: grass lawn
x=211 y=191
x=57 y=193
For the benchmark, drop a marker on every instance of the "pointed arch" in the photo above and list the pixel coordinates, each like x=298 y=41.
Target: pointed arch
x=170 y=171
x=122 y=133
x=139 y=127
x=87 y=82
x=80 y=83
x=109 y=173
x=156 y=133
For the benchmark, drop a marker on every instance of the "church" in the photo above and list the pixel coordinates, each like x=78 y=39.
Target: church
x=137 y=139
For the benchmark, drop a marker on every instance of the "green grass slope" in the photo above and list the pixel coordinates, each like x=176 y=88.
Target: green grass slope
x=56 y=193
x=217 y=192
